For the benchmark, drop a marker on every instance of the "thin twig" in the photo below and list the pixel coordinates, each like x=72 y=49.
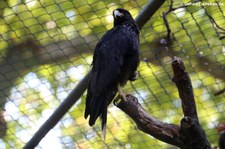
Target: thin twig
x=219 y=92
x=164 y=14
x=212 y=20
x=171 y=9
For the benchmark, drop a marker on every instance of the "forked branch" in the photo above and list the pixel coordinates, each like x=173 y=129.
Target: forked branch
x=189 y=134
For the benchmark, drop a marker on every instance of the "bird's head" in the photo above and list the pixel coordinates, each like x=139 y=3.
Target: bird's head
x=121 y=15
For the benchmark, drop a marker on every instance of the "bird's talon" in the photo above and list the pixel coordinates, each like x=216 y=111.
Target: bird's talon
x=124 y=98
x=116 y=101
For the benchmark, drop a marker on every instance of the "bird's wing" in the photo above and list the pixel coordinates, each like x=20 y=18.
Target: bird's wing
x=108 y=59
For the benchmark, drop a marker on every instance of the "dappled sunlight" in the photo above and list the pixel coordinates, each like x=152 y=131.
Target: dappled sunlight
x=46 y=48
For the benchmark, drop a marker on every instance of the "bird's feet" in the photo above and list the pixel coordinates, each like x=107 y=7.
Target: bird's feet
x=125 y=99
x=123 y=96
x=120 y=98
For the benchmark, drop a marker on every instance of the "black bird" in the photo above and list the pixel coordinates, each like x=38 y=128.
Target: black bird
x=115 y=60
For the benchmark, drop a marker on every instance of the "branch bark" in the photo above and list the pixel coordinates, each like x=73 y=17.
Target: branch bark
x=165 y=132
x=189 y=134
x=183 y=83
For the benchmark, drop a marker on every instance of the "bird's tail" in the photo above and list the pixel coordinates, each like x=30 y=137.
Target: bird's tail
x=104 y=131
x=96 y=106
x=103 y=118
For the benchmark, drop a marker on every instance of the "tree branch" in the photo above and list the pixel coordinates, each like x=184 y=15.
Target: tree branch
x=165 y=132
x=189 y=134
x=183 y=83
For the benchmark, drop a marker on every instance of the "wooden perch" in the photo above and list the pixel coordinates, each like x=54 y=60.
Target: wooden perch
x=189 y=134
x=165 y=132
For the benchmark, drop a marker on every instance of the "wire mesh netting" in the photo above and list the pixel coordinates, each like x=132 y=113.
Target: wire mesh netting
x=46 y=47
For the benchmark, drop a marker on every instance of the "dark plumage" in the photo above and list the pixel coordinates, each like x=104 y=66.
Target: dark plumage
x=116 y=58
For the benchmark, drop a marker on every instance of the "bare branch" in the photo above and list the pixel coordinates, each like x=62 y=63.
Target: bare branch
x=219 y=92
x=165 y=132
x=183 y=83
x=171 y=9
x=189 y=134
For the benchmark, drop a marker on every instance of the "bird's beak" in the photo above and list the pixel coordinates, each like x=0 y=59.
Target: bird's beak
x=117 y=13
